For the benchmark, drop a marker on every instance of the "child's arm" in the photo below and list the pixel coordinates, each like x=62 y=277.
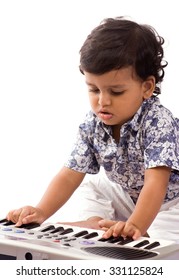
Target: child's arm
x=147 y=207
x=58 y=192
x=91 y=223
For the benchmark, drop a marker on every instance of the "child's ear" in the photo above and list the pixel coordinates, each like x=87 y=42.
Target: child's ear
x=148 y=87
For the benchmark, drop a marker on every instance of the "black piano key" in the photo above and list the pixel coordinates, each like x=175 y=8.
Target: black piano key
x=102 y=239
x=8 y=223
x=152 y=245
x=141 y=244
x=29 y=226
x=80 y=233
x=57 y=229
x=47 y=228
x=91 y=235
x=125 y=241
x=66 y=231
x=3 y=221
x=116 y=239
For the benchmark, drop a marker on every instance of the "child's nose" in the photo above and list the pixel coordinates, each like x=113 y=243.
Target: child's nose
x=104 y=99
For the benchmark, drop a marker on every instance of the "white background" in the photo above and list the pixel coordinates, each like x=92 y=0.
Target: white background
x=43 y=97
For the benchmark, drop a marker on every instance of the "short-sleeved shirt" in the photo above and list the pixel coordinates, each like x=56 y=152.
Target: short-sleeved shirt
x=150 y=139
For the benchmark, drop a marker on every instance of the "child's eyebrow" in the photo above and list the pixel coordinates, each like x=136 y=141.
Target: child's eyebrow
x=117 y=86
x=109 y=86
x=89 y=84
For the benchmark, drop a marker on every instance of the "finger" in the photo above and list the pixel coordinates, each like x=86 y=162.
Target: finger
x=23 y=217
x=30 y=218
x=13 y=215
x=131 y=231
x=128 y=230
x=118 y=229
x=108 y=233
x=136 y=234
x=104 y=228
x=106 y=223
x=10 y=215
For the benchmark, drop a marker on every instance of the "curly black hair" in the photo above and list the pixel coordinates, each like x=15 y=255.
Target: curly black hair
x=119 y=42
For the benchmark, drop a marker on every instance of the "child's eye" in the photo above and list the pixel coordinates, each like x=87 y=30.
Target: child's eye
x=117 y=92
x=93 y=90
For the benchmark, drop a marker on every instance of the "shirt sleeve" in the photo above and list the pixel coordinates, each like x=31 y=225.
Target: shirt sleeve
x=162 y=141
x=82 y=157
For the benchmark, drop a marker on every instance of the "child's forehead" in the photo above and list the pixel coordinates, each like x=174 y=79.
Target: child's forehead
x=114 y=78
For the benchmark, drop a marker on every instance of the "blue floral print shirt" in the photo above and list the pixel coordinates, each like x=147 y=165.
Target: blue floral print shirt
x=149 y=139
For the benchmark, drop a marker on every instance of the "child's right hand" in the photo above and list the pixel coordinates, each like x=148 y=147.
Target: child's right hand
x=26 y=215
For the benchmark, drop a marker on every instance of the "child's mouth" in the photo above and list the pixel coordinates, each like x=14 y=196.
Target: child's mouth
x=105 y=115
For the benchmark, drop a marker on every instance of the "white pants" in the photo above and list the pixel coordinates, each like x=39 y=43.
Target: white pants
x=101 y=197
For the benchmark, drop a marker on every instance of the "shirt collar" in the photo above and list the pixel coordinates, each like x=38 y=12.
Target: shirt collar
x=135 y=122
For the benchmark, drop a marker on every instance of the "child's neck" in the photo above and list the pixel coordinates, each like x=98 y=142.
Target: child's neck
x=116 y=132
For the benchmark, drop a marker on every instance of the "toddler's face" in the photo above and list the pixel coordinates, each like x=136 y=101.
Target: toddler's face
x=117 y=95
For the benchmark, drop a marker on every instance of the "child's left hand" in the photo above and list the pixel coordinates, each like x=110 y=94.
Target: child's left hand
x=119 y=228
